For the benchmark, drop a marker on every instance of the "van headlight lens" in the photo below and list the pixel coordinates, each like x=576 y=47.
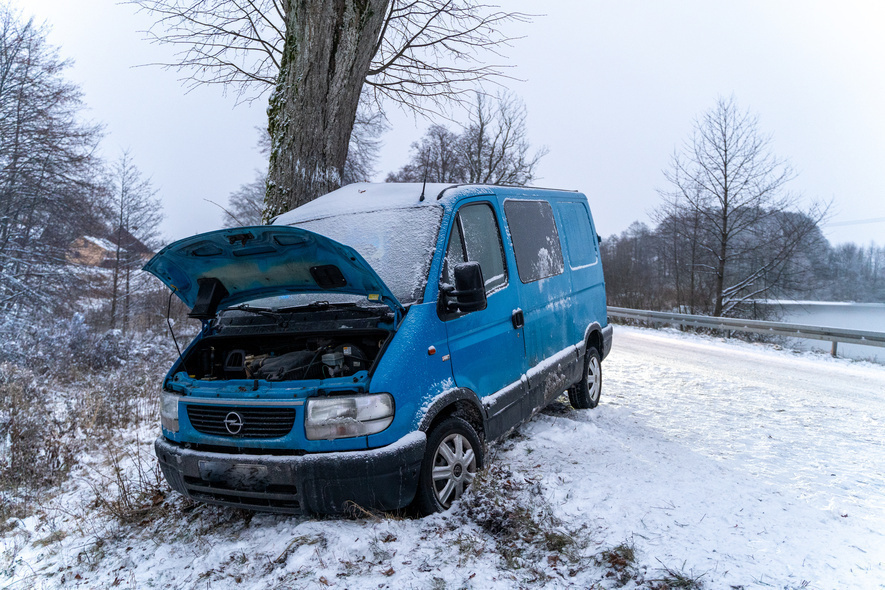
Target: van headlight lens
x=329 y=418
x=169 y=411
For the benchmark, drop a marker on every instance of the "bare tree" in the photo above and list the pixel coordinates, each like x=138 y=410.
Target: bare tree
x=424 y=50
x=244 y=205
x=495 y=143
x=328 y=51
x=48 y=173
x=318 y=55
x=365 y=143
x=436 y=157
x=136 y=216
x=493 y=148
x=727 y=182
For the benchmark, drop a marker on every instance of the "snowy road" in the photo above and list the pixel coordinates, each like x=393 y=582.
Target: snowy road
x=811 y=423
x=754 y=457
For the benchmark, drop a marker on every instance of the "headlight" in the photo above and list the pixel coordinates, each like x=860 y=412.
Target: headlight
x=329 y=418
x=169 y=411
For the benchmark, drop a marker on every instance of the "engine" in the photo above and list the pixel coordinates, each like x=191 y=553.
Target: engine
x=283 y=359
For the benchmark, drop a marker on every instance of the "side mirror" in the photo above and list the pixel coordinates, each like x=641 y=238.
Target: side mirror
x=469 y=293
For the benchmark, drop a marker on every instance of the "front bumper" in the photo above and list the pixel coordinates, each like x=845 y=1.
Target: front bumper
x=383 y=479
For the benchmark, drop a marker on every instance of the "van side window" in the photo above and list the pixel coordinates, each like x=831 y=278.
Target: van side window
x=535 y=239
x=579 y=240
x=476 y=230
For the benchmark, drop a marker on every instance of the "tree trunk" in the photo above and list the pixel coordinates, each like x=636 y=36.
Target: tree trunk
x=115 y=293
x=115 y=288
x=126 y=306
x=720 y=263
x=328 y=49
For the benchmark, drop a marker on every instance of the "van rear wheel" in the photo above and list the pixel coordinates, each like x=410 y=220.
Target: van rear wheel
x=584 y=394
x=451 y=460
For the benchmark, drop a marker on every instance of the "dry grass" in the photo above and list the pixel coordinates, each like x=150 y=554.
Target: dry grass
x=35 y=446
x=526 y=533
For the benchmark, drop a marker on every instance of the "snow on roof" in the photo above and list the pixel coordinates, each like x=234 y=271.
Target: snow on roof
x=362 y=197
x=101 y=243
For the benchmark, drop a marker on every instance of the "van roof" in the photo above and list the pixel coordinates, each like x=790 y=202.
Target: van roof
x=362 y=197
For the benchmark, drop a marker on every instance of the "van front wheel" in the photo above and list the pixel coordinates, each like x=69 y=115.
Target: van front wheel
x=585 y=393
x=451 y=460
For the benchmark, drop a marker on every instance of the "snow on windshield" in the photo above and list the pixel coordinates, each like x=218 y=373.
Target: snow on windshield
x=397 y=243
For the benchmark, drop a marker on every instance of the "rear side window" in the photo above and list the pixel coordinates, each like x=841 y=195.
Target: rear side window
x=535 y=239
x=579 y=239
x=475 y=237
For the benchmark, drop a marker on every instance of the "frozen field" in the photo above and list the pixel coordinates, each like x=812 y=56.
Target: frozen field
x=737 y=465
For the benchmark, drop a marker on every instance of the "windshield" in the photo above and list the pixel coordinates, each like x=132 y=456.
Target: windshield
x=397 y=243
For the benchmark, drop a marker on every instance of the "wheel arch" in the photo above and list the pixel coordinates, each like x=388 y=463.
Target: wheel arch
x=593 y=338
x=460 y=402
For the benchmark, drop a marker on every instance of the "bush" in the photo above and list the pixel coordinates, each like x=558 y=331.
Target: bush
x=136 y=491
x=33 y=450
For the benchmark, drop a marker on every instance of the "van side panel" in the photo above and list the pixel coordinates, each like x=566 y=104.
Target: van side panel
x=543 y=300
x=535 y=253
x=582 y=253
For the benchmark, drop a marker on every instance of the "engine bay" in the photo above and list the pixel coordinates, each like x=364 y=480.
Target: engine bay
x=284 y=357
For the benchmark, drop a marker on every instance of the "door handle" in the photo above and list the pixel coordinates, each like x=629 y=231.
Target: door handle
x=517 y=318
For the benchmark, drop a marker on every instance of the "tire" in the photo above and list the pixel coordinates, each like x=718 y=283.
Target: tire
x=584 y=394
x=452 y=458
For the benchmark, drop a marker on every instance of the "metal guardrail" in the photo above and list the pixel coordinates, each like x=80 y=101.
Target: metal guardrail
x=833 y=335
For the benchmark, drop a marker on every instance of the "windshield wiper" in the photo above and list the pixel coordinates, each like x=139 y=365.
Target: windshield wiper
x=325 y=305
x=256 y=310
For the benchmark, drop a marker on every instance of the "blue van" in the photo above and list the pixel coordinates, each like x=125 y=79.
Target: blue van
x=365 y=347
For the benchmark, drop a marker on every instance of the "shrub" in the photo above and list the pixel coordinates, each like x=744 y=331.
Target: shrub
x=33 y=450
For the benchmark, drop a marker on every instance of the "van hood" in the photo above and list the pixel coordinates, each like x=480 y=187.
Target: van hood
x=213 y=271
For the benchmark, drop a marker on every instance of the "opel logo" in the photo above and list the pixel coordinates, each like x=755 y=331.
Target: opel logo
x=233 y=422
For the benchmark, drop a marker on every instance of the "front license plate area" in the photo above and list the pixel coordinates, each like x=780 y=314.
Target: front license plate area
x=238 y=476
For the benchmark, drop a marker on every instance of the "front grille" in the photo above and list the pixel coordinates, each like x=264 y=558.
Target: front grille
x=236 y=448
x=272 y=498
x=253 y=421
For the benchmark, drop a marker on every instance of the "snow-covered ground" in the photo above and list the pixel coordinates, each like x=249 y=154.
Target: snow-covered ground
x=754 y=465
x=738 y=465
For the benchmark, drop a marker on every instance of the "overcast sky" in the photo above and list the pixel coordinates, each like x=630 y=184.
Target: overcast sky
x=612 y=88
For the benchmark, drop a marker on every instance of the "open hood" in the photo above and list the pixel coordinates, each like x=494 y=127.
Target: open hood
x=216 y=270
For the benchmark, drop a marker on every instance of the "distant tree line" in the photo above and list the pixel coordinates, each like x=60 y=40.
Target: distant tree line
x=643 y=270
x=55 y=190
x=729 y=234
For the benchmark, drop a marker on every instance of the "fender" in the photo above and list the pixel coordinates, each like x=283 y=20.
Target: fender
x=593 y=327
x=605 y=338
x=448 y=398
